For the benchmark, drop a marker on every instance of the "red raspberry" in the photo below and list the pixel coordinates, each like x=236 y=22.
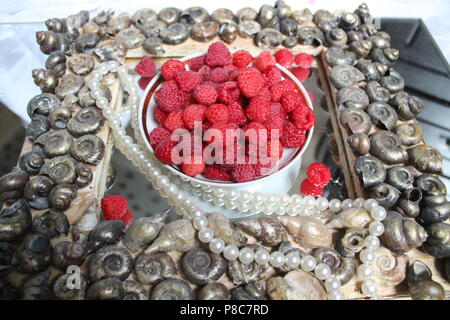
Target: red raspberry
x=273 y=75
x=217 y=113
x=128 y=217
x=205 y=94
x=171 y=67
x=276 y=109
x=196 y=63
x=204 y=72
x=291 y=100
x=218 y=75
x=258 y=109
x=243 y=172
x=274 y=149
x=144 y=81
x=192 y=113
x=308 y=189
x=192 y=169
x=263 y=169
x=304 y=60
x=285 y=57
x=229 y=92
x=265 y=60
x=146 y=67
x=301 y=74
x=254 y=130
x=159 y=115
x=303 y=118
x=170 y=83
x=318 y=174
x=292 y=137
x=174 y=120
x=265 y=93
x=237 y=114
x=215 y=172
x=274 y=122
x=188 y=99
x=188 y=80
x=225 y=129
x=157 y=135
x=218 y=55
x=250 y=81
x=169 y=99
x=232 y=71
x=242 y=58
x=114 y=207
x=163 y=151
x=277 y=89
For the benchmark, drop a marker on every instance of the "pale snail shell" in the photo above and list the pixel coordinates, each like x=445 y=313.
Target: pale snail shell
x=214 y=291
x=351 y=218
x=225 y=230
x=296 y=285
x=131 y=37
x=150 y=268
x=391 y=268
x=352 y=242
x=247 y=29
x=109 y=49
x=81 y=63
x=201 y=266
x=309 y=232
x=175 y=33
x=111 y=261
x=267 y=230
x=178 y=235
x=359 y=143
x=410 y=133
x=241 y=273
x=342 y=268
x=55 y=143
x=69 y=84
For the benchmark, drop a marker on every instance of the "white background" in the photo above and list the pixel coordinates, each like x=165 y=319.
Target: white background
x=19 y=20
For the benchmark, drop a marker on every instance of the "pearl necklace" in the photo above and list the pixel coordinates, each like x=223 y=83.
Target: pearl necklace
x=267 y=204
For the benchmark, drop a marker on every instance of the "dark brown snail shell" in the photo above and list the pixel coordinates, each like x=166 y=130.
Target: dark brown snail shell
x=268 y=38
x=59 y=117
x=267 y=14
x=289 y=42
x=421 y=286
x=61 y=196
x=69 y=84
x=409 y=201
x=34 y=254
x=430 y=185
x=426 y=159
x=402 y=234
x=371 y=171
x=172 y=289
x=194 y=15
x=351 y=97
x=6 y=259
x=63 y=292
x=12 y=184
x=39 y=125
x=288 y=27
x=302 y=16
x=151 y=268
x=359 y=143
x=86 y=42
x=223 y=15
x=323 y=15
x=67 y=253
x=175 y=33
x=51 y=223
x=88 y=120
x=134 y=291
x=385 y=194
x=361 y=48
x=400 y=177
x=382 y=115
x=337 y=56
x=37 y=287
x=376 y=92
x=251 y=291
x=214 y=291
x=50 y=41
x=343 y=268
x=247 y=29
x=433 y=213
x=349 y=21
x=117 y=23
x=309 y=35
x=150 y=29
x=344 y=76
x=447 y=268
x=410 y=133
x=355 y=35
x=387 y=147
x=336 y=37
x=84 y=175
x=247 y=14
x=351 y=242
x=154 y=46
x=88 y=149
x=356 y=119
x=438 y=241
x=61 y=170
x=386 y=56
x=169 y=15
x=103 y=17
x=131 y=37
x=269 y=231
x=107 y=50
x=407 y=106
x=106 y=289
x=111 y=261
x=200 y=266
x=47 y=80
x=105 y=233
x=368 y=69
x=363 y=12
x=55 y=143
x=56 y=25
x=204 y=31
x=393 y=81
x=15 y=221
x=229 y=32
x=42 y=104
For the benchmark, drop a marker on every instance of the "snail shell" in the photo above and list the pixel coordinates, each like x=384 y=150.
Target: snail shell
x=214 y=291
x=81 y=63
x=118 y=23
x=105 y=233
x=12 y=184
x=143 y=16
x=103 y=17
x=421 y=286
x=56 y=61
x=86 y=42
x=131 y=37
x=359 y=143
x=56 y=25
x=376 y=92
x=287 y=247
x=172 y=289
x=408 y=107
x=296 y=285
x=251 y=291
x=400 y=177
x=269 y=231
x=38 y=126
x=69 y=84
x=289 y=42
x=169 y=15
x=438 y=241
x=336 y=37
x=386 y=56
x=194 y=15
x=351 y=242
x=200 y=266
x=34 y=254
x=67 y=253
x=60 y=169
x=329 y=256
x=370 y=71
x=288 y=27
x=151 y=29
x=393 y=81
x=402 y=234
x=247 y=29
x=205 y=31
x=345 y=76
x=51 y=223
x=430 y=185
x=6 y=260
x=37 y=287
x=174 y=34
x=356 y=120
x=268 y=38
x=84 y=175
x=361 y=48
x=229 y=32
x=47 y=80
x=15 y=221
x=387 y=147
x=371 y=171
x=302 y=16
x=246 y=14
x=154 y=46
x=107 y=50
x=50 y=41
x=178 y=235
x=310 y=35
x=223 y=229
x=385 y=194
x=336 y=56
x=391 y=268
x=111 y=261
x=143 y=231
x=59 y=117
x=55 y=143
x=42 y=104
x=266 y=15
x=88 y=120
x=61 y=196
x=241 y=273
x=435 y=212
x=410 y=133
x=223 y=15
x=106 y=289
x=62 y=292
x=426 y=159
x=342 y=268
x=309 y=232
x=351 y=218
x=150 y=268
x=349 y=21
x=88 y=149
x=91 y=27
x=447 y=268
x=134 y=291
x=85 y=98
x=382 y=115
x=408 y=203
x=351 y=97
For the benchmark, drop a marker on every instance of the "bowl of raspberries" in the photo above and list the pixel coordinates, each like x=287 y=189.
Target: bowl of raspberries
x=228 y=119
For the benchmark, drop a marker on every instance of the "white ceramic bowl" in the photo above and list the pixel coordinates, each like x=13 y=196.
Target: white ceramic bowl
x=279 y=181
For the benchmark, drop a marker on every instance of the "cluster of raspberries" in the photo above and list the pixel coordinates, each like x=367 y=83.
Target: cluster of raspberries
x=227 y=91
x=317 y=177
x=115 y=207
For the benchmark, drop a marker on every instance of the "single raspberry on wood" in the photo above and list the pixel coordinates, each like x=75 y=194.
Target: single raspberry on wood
x=265 y=60
x=250 y=81
x=193 y=113
x=205 y=94
x=258 y=109
x=171 y=67
x=216 y=172
x=277 y=89
x=243 y=172
x=157 y=135
x=174 y=120
x=114 y=207
x=284 y=57
x=242 y=58
x=292 y=137
x=291 y=100
x=304 y=60
x=196 y=63
x=217 y=113
x=163 y=151
x=169 y=99
x=303 y=118
x=188 y=80
x=228 y=92
x=218 y=55
x=318 y=174
x=301 y=74
x=146 y=67
x=308 y=189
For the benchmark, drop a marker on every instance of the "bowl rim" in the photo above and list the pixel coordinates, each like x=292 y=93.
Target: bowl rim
x=224 y=184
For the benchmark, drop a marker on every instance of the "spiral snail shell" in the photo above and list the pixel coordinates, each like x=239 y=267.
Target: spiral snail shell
x=344 y=76
x=224 y=229
x=352 y=97
x=34 y=254
x=37 y=287
x=88 y=120
x=150 y=268
x=61 y=170
x=351 y=242
x=62 y=291
x=47 y=80
x=426 y=159
x=61 y=196
x=376 y=92
x=106 y=289
x=382 y=115
x=371 y=171
x=12 y=184
x=269 y=231
x=51 y=223
x=410 y=133
x=84 y=175
x=200 y=266
x=111 y=261
x=387 y=147
x=296 y=285
x=359 y=143
x=391 y=268
x=38 y=126
x=178 y=235
x=309 y=232
x=251 y=291
x=89 y=149
x=105 y=233
x=337 y=56
x=15 y=221
x=438 y=241
x=50 y=41
x=67 y=253
x=214 y=291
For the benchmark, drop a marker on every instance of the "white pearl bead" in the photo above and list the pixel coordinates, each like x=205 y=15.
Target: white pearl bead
x=216 y=245
x=332 y=284
x=258 y=197
x=309 y=202
x=218 y=192
x=262 y=256
x=296 y=200
x=229 y=204
x=205 y=235
x=232 y=195
x=369 y=288
x=200 y=223
x=378 y=213
x=93 y=84
x=285 y=199
x=369 y=204
x=371 y=242
x=269 y=209
x=367 y=256
x=231 y=252
x=376 y=228
x=335 y=295
x=359 y=203
x=196 y=213
x=335 y=205
x=322 y=271
x=102 y=103
x=246 y=255
x=322 y=203
x=293 y=211
x=243 y=206
x=96 y=94
x=308 y=263
x=364 y=271
x=347 y=204
x=277 y=259
x=244 y=196
x=107 y=112
x=293 y=260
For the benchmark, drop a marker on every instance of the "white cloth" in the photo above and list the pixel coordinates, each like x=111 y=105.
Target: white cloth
x=19 y=20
